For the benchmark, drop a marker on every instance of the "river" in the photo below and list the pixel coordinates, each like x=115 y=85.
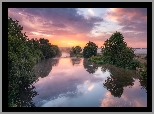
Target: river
x=76 y=82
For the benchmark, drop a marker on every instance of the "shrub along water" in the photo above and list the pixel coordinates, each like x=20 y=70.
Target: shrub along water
x=23 y=54
x=90 y=50
x=75 y=51
x=115 y=51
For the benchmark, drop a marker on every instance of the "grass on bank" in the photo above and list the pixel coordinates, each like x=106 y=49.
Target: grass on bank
x=140 y=59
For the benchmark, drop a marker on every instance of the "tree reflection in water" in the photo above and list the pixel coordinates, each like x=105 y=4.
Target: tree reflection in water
x=89 y=66
x=43 y=68
x=26 y=92
x=25 y=96
x=143 y=83
x=75 y=61
x=55 y=62
x=119 y=78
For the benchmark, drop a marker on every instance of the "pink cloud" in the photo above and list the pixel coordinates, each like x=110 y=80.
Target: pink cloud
x=59 y=24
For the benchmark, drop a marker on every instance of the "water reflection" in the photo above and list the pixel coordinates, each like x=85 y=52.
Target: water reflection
x=55 y=61
x=68 y=86
x=65 y=81
x=75 y=61
x=25 y=97
x=89 y=66
x=131 y=97
x=143 y=83
x=119 y=78
x=43 y=68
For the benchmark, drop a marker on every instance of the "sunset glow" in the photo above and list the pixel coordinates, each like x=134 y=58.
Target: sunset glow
x=67 y=27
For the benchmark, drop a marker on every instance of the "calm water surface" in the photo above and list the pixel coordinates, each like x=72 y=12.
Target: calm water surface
x=70 y=82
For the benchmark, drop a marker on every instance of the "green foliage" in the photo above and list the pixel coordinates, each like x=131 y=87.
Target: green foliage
x=21 y=58
x=15 y=30
x=23 y=54
x=90 y=49
x=143 y=83
x=78 y=49
x=143 y=71
x=99 y=59
x=75 y=51
x=49 y=50
x=116 y=52
x=72 y=52
x=57 y=51
x=133 y=64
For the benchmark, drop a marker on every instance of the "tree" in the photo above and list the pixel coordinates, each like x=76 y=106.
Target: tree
x=90 y=49
x=57 y=50
x=78 y=49
x=117 y=51
x=23 y=54
x=72 y=52
x=49 y=50
x=43 y=41
x=21 y=58
x=75 y=51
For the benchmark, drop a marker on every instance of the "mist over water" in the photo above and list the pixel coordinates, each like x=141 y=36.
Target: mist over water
x=76 y=82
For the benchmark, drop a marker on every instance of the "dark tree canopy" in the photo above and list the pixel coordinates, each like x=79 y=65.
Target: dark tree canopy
x=118 y=53
x=21 y=58
x=23 y=54
x=90 y=49
x=75 y=51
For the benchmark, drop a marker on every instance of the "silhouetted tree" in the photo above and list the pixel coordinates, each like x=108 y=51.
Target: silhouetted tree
x=75 y=51
x=90 y=49
x=118 y=53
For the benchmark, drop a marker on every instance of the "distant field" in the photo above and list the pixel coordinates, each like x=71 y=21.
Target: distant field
x=137 y=51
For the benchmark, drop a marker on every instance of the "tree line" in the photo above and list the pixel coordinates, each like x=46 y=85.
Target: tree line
x=114 y=51
x=23 y=54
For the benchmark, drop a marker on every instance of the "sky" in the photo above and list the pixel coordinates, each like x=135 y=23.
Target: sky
x=68 y=27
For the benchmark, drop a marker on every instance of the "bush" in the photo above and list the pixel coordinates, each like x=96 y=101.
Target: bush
x=21 y=58
x=23 y=54
x=75 y=51
x=89 y=50
x=117 y=53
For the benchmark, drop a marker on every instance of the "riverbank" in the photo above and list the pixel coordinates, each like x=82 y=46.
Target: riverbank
x=141 y=58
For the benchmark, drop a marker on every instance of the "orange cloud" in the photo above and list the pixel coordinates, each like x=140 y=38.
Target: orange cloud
x=74 y=29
